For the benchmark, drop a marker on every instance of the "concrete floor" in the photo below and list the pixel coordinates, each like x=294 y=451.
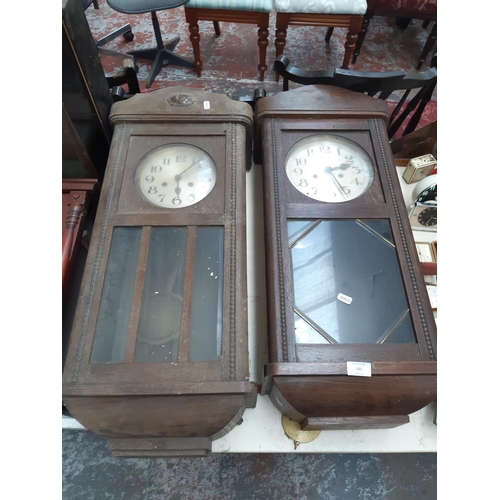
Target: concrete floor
x=90 y=472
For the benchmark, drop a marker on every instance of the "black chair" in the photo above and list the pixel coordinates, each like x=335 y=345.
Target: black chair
x=416 y=88
x=162 y=54
x=125 y=31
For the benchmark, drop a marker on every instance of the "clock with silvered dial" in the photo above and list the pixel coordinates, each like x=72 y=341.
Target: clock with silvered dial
x=158 y=357
x=329 y=168
x=175 y=175
x=343 y=278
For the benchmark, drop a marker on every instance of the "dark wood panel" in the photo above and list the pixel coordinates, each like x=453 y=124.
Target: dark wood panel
x=345 y=396
x=156 y=416
x=384 y=422
x=313 y=353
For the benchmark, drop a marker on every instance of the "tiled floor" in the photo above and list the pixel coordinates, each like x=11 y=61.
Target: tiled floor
x=89 y=471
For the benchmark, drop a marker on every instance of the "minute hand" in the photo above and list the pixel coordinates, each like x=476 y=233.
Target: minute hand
x=329 y=170
x=190 y=166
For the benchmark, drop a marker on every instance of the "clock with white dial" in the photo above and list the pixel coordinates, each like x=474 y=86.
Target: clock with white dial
x=175 y=175
x=329 y=168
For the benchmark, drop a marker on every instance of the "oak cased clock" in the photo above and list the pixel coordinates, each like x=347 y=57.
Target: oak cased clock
x=158 y=360
x=352 y=338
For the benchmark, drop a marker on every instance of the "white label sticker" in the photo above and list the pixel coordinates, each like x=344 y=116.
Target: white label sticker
x=344 y=298
x=206 y=104
x=357 y=369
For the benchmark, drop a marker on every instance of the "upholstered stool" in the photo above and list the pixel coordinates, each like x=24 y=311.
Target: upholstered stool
x=231 y=11
x=334 y=14
x=162 y=54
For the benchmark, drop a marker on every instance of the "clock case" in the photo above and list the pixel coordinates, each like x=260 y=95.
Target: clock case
x=167 y=408
x=308 y=383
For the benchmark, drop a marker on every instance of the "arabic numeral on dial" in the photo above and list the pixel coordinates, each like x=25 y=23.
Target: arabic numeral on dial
x=297 y=171
x=156 y=169
x=324 y=149
x=356 y=170
x=303 y=183
x=162 y=197
x=152 y=190
x=181 y=158
x=191 y=198
x=356 y=182
x=176 y=201
x=300 y=161
x=149 y=178
x=346 y=190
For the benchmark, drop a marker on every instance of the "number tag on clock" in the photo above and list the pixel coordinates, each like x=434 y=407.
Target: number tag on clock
x=358 y=369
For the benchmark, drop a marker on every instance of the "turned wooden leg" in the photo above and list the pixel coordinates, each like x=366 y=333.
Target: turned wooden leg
x=216 y=28
x=430 y=42
x=194 y=36
x=280 y=35
x=328 y=34
x=263 y=42
x=352 y=36
x=361 y=35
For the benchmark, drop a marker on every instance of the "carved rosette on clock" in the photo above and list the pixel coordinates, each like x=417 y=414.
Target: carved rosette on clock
x=352 y=338
x=158 y=360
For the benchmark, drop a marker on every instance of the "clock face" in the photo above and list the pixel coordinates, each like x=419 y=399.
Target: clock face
x=329 y=168
x=175 y=175
x=428 y=216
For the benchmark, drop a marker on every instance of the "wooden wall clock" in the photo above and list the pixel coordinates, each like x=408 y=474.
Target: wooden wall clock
x=352 y=338
x=158 y=360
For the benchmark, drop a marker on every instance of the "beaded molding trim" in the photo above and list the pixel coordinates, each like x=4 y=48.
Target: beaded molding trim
x=416 y=292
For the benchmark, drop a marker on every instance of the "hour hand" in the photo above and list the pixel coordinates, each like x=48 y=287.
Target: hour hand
x=342 y=166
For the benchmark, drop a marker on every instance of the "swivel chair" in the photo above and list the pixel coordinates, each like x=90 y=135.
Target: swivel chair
x=162 y=54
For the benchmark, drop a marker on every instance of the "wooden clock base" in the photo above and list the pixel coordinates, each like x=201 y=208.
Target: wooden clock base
x=321 y=396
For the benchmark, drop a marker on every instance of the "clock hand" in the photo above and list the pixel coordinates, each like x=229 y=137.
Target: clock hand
x=329 y=170
x=342 y=166
x=178 y=179
x=191 y=166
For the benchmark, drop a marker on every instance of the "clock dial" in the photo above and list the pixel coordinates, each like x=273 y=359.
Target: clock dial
x=175 y=175
x=329 y=168
x=428 y=216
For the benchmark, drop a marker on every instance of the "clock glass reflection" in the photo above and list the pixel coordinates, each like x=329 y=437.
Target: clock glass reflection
x=347 y=284
x=167 y=295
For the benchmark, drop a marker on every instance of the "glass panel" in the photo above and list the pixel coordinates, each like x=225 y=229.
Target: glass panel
x=205 y=338
x=118 y=292
x=161 y=308
x=347 y=282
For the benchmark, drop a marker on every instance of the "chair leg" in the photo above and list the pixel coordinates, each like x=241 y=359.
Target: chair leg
x=352 y=36
x=194 y=36
x=430 y=42
x=263 y=42
x=361 y=36
x=162 y=55
x=282 y=20
x=126 y=29
x=328 y=34
x=216 y=28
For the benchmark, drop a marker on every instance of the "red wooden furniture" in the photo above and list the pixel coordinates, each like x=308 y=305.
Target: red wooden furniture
x=77 y=196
